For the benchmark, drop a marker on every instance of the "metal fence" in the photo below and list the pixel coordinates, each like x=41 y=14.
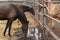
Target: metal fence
x=45 y=18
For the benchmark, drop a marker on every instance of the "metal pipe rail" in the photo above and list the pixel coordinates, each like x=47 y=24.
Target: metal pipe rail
x=52 y=18
x=52 y=1
x=49 y=12
x=45 y=26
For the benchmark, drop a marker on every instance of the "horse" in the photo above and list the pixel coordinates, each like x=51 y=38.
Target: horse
x=11 y=12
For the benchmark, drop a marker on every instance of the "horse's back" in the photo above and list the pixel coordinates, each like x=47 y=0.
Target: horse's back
x=4 y=6
x=7 y=11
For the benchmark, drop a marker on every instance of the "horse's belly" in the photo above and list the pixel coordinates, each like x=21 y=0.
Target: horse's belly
x=1 y=18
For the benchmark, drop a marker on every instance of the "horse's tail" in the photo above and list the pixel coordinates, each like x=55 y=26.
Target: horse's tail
x=15 y=7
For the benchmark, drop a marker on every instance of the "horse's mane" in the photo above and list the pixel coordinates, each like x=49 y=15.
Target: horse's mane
x=25 y=6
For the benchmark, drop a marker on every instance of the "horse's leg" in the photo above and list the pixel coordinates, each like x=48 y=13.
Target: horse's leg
x=25 y=29
x=9 y=31
x=8 y=25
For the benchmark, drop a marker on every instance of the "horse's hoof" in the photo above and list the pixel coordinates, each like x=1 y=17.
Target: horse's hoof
x=3 y=34
x=9 y=35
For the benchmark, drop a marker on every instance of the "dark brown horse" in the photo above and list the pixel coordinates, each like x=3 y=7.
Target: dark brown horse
x=11 y=12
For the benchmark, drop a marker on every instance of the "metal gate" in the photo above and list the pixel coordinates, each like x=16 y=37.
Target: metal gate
x=47 y=31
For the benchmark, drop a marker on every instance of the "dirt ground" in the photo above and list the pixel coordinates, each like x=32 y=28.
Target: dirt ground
x=57 y=29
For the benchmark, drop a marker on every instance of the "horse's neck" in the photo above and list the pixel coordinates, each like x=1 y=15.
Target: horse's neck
x=24 y=9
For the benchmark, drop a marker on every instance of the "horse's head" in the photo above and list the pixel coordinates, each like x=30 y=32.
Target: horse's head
x=25 y=27
x=27 y=9
x=31 y=10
